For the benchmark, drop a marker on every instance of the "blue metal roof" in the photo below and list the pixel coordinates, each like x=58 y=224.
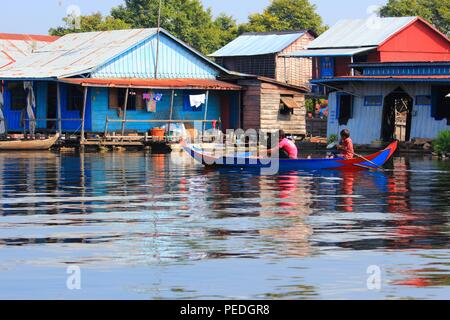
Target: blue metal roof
x=252 y=44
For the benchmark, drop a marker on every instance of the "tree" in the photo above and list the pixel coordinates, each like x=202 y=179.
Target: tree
x=435 y=11
x=187 y=20
x=286 y=15
x=88 y=23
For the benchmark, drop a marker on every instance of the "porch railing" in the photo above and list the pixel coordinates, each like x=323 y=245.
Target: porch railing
x=124 y=122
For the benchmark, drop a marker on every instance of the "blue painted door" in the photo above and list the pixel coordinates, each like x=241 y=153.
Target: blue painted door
x=69 y=112
x=14 y=108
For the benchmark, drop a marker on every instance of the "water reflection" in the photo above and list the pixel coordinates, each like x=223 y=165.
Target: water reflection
x=139 y=209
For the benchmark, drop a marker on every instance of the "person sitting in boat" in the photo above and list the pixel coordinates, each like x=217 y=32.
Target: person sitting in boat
x=346 y=145
x=286 y=148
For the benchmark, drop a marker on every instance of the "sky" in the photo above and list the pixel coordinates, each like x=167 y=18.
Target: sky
x=37 y=17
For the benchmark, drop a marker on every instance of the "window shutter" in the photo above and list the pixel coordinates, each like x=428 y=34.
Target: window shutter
x=113 y=99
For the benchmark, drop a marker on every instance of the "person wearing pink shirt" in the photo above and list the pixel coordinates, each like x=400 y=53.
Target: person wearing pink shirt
x=286 y=148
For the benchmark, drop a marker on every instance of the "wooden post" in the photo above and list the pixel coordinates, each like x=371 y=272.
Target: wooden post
x=125 y=111
x=206 y=113
x=171 y=111
x=106 y=126
x=84 y=115
x=58 y=94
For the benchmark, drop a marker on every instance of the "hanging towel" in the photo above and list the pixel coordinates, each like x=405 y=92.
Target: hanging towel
x=197 y=100
x=31 y=105
x=2 y=116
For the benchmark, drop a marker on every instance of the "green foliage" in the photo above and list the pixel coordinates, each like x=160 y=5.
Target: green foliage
x=187 y=20
x=93 y=22
x=191 y=22
x=441 y=144
x=310 y=105
x=436 y=12
x=286 y=15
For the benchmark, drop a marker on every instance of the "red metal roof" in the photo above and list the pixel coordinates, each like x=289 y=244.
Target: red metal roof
x=156 y=83
x=34 y=37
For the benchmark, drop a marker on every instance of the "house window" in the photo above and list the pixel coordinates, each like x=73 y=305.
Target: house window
x=75 y=98
x=423 y=100
x=440 y=103
x=288 y=105
x=344 y=110
x=135 y=99
x=373 y=101
x=18 y=96
x=327 y=67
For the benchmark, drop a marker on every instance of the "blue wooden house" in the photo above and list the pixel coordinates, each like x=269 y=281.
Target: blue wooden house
x=88 y=82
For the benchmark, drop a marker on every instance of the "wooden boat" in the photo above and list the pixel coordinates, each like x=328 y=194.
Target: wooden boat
x=29 y=144
x=246 y=161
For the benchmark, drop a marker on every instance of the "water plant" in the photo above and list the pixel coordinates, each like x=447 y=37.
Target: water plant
x=441 y=144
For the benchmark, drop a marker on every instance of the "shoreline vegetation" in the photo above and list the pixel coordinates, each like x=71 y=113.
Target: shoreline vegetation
x=441 y=145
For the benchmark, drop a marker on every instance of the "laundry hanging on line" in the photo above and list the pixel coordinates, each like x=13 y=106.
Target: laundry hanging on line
x=151 y=100
x=31 y=105
x=197 y=100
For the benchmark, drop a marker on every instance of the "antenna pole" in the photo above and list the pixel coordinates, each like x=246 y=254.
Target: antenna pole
x=158 y=39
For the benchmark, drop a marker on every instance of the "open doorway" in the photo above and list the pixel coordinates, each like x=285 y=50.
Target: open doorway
x=397 y=116
x=52 y=105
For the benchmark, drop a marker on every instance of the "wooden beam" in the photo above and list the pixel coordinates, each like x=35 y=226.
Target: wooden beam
x=83 y=138
x=125 y=111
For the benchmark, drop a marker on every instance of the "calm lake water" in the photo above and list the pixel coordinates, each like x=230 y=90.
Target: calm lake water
x=141 y=226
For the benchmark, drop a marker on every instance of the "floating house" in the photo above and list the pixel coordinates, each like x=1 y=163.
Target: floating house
x=264 y=54
x=274 y=85
x=126 y=80
x=14 y=47
x=388 y=78
x=269 y=105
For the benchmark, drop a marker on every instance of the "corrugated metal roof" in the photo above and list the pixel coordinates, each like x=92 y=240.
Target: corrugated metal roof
x=156 y=83
x=252 y=44
x=360 y=33
x=75 y=54
x=80 y=53
x=16 y=46
x=329 y=52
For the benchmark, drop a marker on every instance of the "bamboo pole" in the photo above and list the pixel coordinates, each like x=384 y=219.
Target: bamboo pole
x=158 y=35
x=206 y=112
x=125 y=111
x=171 y=111
x=84 y=115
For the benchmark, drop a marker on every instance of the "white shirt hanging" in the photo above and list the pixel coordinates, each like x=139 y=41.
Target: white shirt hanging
x=197 y=100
